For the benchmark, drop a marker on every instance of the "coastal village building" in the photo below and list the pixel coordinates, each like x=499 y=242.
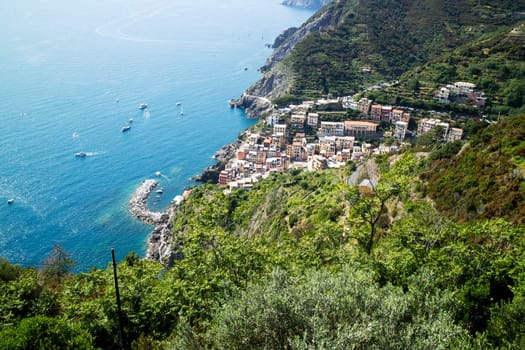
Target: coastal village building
x=280 y=129
x=381 y=113
x=297 y=121
x=364 y=105
x=313 y=120
x=400 y=130
x=386 y=112
x=273 y=119
x=359 y=128
x=455 y=134
x=332 y=102
x=463 y=93
x=375 y=112
x=331 y=129
x=427 y=124
x=348 y=102
x=329 y=146
x=399 y=115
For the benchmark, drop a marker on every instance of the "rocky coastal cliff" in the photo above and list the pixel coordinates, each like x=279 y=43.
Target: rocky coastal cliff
x=253 y=105
x=277 y=77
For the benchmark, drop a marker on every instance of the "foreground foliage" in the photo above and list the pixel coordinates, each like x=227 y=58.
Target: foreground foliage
x=289 y=265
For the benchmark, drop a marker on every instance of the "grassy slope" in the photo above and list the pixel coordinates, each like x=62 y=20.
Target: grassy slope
x=390 y=37
x=486 y=179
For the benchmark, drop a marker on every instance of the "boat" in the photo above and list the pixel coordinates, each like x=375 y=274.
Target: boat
x=80 y=154
x=125 y=128
x=158 y=173
x=159 y=191
x=130 y=120
x=181 y=111
x=10 y=201
x=143 y=106
x=178 y=103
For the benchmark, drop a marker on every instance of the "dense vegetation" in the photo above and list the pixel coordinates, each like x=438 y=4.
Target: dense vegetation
x=432 y=257
x=420 y=43
x=485 y=180
x=290 y=264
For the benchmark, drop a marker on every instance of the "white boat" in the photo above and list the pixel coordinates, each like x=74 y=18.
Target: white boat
x=125 y=128
x=159 y=191
x=80 y=154
x=178 y=103
x=10 y=201
x=130 y=120
x=143 y=106
x=181 y=111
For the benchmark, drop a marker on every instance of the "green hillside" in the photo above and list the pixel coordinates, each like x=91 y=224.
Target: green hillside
x=378 y=41
x=486 y=179
x=305 y=260
x=431 y=256
x=495 y=62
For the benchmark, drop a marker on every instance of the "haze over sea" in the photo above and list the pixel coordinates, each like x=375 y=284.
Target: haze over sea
x=83 y=67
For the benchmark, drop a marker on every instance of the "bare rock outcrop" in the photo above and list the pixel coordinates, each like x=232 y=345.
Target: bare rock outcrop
x=254 y=106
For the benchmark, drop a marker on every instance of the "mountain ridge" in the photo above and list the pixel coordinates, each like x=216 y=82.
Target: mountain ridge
x=326 y=54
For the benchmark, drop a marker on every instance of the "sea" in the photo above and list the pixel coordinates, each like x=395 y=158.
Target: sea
x=73 y=73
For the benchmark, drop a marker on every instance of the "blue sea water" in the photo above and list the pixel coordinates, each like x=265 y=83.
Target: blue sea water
x=74 y=72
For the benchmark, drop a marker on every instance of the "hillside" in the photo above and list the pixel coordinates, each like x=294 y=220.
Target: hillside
x=486 y=179
x=360 y=43
x=495 y=62
x=430 y=254
x=301 y=257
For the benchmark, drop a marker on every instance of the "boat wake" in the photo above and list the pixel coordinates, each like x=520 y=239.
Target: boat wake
x=88 y=154
x=159 y=174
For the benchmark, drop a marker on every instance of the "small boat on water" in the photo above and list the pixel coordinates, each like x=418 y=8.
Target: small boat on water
x=10 y=201
x=178 y=103
x=125 y=128
x=143 y=106
x=159 y=191
x=130 y=120
x=80 y=154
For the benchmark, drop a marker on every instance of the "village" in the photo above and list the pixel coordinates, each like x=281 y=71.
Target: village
x=303 y=137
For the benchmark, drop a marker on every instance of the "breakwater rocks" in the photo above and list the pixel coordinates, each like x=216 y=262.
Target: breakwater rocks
x=138 y=206
x=159 y=242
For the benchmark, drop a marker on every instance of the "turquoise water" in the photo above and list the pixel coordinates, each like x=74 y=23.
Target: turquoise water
x=73 y=74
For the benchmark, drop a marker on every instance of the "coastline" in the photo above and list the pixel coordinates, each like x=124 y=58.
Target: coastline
x=221 y=157
x=159 y=240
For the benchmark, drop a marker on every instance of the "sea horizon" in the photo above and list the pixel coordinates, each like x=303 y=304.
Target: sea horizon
x=75 y=74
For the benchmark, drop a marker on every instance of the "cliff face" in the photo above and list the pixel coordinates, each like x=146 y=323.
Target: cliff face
x=278 y=78
x=287 y=40
x=311 y=4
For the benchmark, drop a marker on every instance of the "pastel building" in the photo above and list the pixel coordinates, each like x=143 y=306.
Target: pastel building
x=359 y=128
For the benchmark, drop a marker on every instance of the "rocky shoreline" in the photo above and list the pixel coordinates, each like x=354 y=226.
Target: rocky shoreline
x=222 y=156
x=159 y=241
x=254 y=106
